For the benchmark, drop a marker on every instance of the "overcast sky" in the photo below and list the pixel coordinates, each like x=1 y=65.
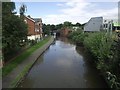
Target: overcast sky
x=72 y=10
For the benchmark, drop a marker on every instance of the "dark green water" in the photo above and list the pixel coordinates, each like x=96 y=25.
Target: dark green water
x=63 y=65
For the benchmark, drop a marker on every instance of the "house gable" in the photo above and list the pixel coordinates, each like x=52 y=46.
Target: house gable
x=31 y=25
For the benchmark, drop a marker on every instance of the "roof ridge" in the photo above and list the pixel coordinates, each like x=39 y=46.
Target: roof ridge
x=30 y=18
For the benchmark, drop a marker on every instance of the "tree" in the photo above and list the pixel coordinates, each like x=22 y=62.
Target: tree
x=8 y=8
x=78 y=24
x=58 y=26
x=14 y=30
x=67 y=24
x=52 y=27
x=46 y=29
x=23 y=9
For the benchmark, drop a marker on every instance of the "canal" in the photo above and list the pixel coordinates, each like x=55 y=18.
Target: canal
x=63 y=65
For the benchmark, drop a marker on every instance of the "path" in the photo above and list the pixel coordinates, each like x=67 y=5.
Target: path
x=7 y=80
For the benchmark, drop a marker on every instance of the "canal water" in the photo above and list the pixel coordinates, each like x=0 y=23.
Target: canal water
x=63 y=65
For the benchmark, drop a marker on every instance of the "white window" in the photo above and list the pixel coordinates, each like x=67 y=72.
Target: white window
x=36 y=30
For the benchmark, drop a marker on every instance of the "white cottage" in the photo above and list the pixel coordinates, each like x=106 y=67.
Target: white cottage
x=94 y=24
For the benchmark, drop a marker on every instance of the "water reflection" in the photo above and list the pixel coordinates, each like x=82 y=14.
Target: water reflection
x=80 y=50
x=40 y=60
x=63 y=65
x=91 y=76
x=65 y=40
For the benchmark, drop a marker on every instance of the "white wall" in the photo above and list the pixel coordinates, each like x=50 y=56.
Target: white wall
x=33 y=37
x=108 y=25
x=94 y=24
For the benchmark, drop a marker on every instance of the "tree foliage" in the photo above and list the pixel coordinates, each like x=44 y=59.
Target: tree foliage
x=14 y=30
x=46 y=29
x=8 y=8
x=78 y=24
x=23 y=9
x=67 y=24
x=58 y=26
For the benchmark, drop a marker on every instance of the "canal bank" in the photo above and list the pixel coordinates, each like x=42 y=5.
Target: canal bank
x=16 y=75
x=63 y=65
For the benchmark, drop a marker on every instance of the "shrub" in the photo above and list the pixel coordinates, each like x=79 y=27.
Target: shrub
x=100 y=45
x=77 y=36
x=113 y=81
x=92 y=43
x=107 y=52
x=32 y=42
x=105 y=48
x=74 y=33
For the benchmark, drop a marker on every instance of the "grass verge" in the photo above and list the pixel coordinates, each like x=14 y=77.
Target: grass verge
x=20 y=76
x=9 y=67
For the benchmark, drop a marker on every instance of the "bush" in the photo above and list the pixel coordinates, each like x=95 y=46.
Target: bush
x=100 y=45
x=32 y=42
x=74 y=33
x=77 y=36
x=105 y=48
x=113 y=81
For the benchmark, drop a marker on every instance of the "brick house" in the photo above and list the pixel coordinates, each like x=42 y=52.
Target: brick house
x=34 y=28
x=38 y=27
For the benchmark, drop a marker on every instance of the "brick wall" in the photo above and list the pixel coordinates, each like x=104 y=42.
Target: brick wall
x=31 y=26
x=38 y=28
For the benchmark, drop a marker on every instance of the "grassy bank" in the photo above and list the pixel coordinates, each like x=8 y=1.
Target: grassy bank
x=105 y=48
x=9 y=67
